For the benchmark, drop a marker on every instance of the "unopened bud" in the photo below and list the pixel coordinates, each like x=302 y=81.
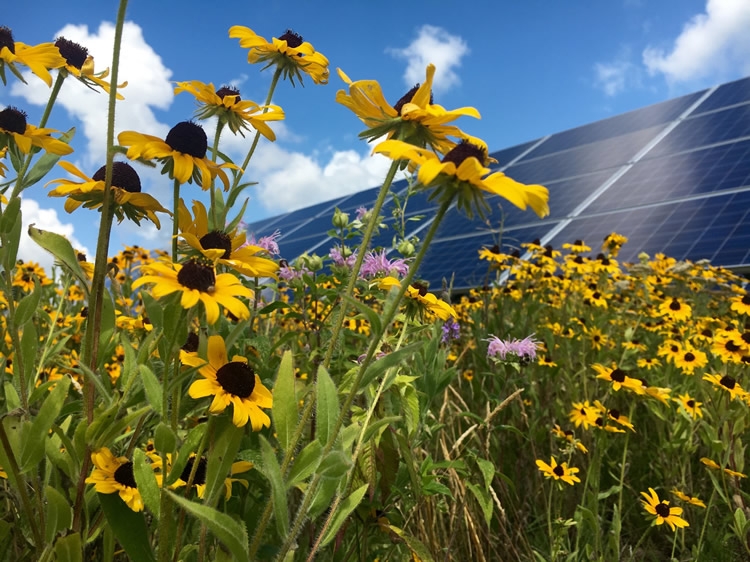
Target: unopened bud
x=406 y=248
x=340 y=220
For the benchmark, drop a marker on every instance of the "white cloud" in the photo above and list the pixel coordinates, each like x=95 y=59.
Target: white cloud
x=292 y=180
x=615 y=76
x=148 y=87
x=46 y=219
x=715 y=44
x=433 y=45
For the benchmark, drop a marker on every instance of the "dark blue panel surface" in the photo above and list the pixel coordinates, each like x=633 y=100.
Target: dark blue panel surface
x=671 y=177
x=504 y=157
x=727 y=94
x=609 y=153
x=710 y=128
x=644 y=118
x=715 y=228
x=292 y=249
x=265 y=227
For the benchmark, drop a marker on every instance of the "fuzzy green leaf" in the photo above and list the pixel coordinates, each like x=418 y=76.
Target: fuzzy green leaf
x=59 y=513
x=68 y=549
x=306 y=463
x=327 y=407
x=46 y=162
x=284 y=410
x=344 y=510
x=153 y=389
x=60 y=247
x=28 y=305
x=223 y=452
x=233 y=534
x=272 y=471
x=128 y=526
x=484 y=500
x=33 y=446
x=146 y=480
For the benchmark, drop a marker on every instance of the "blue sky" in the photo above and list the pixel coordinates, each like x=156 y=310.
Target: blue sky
x=531 y=68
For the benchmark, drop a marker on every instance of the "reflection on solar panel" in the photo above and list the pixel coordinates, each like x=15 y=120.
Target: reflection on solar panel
x=673 y=177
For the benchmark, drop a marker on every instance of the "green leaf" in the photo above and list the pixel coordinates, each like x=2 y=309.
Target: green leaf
x=59 y=513
x=11 y=215
x=484 y=500
x=306 y=463
x=376 y=427
x=33 y=447
x=371 y=315
x=164 y=438
x=414 y=545
x=153 y=389
x=29 y=349
x=28 y=305
x=272 y=471
x=189 y=446
x=111 y=432
x=46 y=162
x=276 y=305
x=68 y=549
x=488 y=472
x=146 y=480
x=223 y=452
x=380 y=366
x=335 y=465
x=231 y=533
x=344 y=510
x=60 y=247
x=128 y=526
x=327 y=488
x=327 y=407
x=11 y=239
x=284 y=411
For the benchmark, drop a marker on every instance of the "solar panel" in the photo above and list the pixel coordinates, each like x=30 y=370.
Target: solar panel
x=673 y=177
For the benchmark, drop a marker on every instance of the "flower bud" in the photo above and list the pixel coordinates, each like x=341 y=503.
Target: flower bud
x=340 y=220
x=406 y=248
x=312 y=262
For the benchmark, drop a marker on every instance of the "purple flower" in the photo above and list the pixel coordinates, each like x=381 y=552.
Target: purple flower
x=339 y=259
x=451 y=331
x=377 y=264
x=361 y=212
x=524 y=349
x=289 y=272
x=268 y=243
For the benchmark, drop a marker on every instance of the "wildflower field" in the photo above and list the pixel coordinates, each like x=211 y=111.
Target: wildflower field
x=218 y=400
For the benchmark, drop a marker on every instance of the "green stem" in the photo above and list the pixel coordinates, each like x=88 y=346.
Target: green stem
x=705 y=521
x=622 y=477
x=214 y=154
x=274 y=81
x=388 y=315
x=90 y=348
x=175 y=217
x=549 y=524
x=47 y=110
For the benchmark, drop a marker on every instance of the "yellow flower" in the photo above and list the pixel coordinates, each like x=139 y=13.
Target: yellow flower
x=126 y=190
x=199 y=480
x=583 y=414
x=219 y=246
x=227 y=105
x=80 y=64
x=675 y=309
x=197 y=282
x=713 y=464
x=413 y=118
x=689 y=499
x=558 y=471
x=3 y=170
x=115 y=474
x=728 y=384
x=14 y=131
x=618 y=378
x=434 y=305
x=39 y=58
x=664 y=513
x=289 y=53
x=463 y=170
x=741 y=304
x=231 y=382
x=183 y=154
x=691 y=406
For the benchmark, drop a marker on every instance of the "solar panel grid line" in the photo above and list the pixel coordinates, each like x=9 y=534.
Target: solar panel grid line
x=626 y=167
x=524 y=153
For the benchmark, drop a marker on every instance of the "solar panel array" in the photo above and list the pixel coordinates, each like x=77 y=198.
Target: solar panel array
x=673 y=177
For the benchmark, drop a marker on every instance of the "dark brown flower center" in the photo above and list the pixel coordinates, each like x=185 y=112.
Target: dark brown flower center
x=188 y=138
x=123 y=176
x=464 y=150
x=225 y=91
x=728 y=382
x=6 y=39
x=559 y=470
x=195 y=275
x=421 y=288
x=674 y=305
x=73 y=53
x=406 y=98
x=13 y=120
x=618 y=375
x=662 y=510
x=292 y=39
x=746 y=299
x=124 y=475
x=689 y=357
x=690 y=403
x=217 y=240
x=200 y=472
x=731 y=347
x=191 y=344
x=236 y=378
x=495 y=249
x=614 y=414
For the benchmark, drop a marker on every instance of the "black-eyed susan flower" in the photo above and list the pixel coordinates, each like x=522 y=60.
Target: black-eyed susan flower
x=577 y=247
x=413 y=118
x=16 y=132
x=618 y=378
x=115 y=474
x=463 y=171
x=227 y=248
x=597 y=338
x=740 y=304
x=716 y=466
x=617 y=417
x=40 y=59
x=728 y=345
x=569 y=436
x=583 y=414
x=662 y=511
x=612 y=243
x=558 y=471
x=80 y=64
x=183 y=154
x=127 y=201
x=690 y=359
x=688 y=499
x=728 y=384
x=199 y=481
x=648 y=363
x=196 y=282
x=418 y=292
x=690 y=405
x=227 y=105
x=289 y=53
x=675 y=309
x=231 y=382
